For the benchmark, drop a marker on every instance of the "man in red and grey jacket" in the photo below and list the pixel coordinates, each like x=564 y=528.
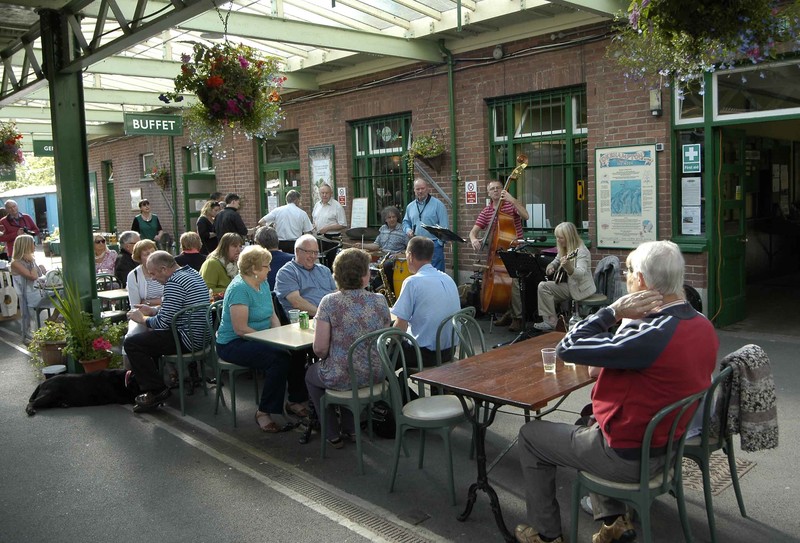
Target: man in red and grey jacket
x=663 y=352
x=14 y=224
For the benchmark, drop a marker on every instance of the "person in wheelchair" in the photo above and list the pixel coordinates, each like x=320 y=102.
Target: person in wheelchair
x=391 y=239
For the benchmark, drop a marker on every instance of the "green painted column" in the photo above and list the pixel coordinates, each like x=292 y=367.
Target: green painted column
x=71 y=158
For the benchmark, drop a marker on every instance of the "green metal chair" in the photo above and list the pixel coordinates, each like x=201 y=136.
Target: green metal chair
x=447 y=322
x=471 y=340
x=220 y=366
x=182 y=359
x=699 y=448
x=356 y=399
x=640 y=495
x=439 y=414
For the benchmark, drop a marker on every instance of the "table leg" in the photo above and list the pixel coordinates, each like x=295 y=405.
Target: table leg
x=480 y=424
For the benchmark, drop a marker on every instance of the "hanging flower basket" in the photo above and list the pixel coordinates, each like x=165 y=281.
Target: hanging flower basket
x=237 y=88
x=664 y=40
x=428 y=147
x=160 y=177
x=10 y=147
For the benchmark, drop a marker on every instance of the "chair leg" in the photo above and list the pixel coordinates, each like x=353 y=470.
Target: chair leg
x=398 y=442
x=232 y=386
x=180 y=387
x=728 y=449
x=323 y=408
x=705 y=470
x=644 y=520
x=449 y=455
x=359 y=451
x=576 y=499
x=219 y=395
x=687 y=532
x=421 y=448
x=255 y=384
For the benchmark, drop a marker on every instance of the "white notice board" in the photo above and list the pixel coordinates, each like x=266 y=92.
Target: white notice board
x=358 y=218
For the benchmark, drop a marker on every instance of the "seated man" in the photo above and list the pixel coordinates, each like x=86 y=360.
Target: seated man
x=183 y=287
x=267 y=237
x=391 y=239
x=663 y=352
x=427 y=297
x=302 y=282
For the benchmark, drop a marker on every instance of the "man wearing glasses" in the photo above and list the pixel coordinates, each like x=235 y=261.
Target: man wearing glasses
x=302 y=282
x=125 y=264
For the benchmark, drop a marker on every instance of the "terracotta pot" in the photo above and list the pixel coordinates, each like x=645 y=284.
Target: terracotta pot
x=95 y=365
x=51 y=352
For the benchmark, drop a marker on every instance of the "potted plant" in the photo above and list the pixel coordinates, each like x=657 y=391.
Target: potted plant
x=10 y=147
x=53 y=237
x=87 y=342
x=236 y=87
x=426 y=146
x=47 y=344
x=160 y=176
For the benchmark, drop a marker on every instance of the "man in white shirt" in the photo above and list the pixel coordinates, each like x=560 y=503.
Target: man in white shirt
x=290 y=222
x=328 y=214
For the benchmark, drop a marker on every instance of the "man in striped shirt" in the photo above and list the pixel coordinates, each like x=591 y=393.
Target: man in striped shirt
x=183 y=287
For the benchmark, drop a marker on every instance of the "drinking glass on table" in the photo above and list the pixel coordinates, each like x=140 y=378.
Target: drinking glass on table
x=549 y=359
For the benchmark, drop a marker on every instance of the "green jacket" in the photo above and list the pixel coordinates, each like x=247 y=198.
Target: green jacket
x=215 y=276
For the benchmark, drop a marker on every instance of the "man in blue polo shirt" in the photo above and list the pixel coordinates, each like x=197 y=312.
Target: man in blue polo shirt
x=426 y=299
x=301 y=283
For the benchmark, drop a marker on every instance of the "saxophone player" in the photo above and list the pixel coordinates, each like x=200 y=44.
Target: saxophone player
x=391 y=238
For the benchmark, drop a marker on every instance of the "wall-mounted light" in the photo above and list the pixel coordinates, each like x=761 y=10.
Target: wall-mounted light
x=655 y=102
x=497 y=54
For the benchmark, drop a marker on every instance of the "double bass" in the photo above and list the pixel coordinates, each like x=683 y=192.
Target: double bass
x=501 y=233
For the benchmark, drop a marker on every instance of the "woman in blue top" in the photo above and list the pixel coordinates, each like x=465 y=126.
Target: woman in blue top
x=247 y=307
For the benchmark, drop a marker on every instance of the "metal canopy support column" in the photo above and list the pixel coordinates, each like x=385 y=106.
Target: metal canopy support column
x=71 y=160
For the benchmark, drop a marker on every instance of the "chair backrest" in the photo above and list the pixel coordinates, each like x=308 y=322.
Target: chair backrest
x=715 y=411
x=183 y=320
x=446 y=327
x=365 y=346
x=679 y=413
x=392 y=355
x=470 y=336
x=605 y=277
x=279 y=311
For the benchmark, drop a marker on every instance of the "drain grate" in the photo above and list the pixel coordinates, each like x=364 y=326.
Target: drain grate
x=372 y=521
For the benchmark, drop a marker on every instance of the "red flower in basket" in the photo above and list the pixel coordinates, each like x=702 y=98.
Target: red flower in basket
x=101 y=344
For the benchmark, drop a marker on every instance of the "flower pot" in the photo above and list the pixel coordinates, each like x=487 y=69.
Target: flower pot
x=51 y=352
x=46 y=246
x=434 y=162
x=95 y=365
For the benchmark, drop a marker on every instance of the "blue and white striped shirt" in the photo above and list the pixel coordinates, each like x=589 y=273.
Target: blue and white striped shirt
x=184 y=287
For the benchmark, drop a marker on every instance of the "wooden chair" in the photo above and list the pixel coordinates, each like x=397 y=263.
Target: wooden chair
x=641 y=495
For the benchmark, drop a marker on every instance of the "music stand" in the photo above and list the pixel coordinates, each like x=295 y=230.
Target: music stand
x=443 y=234
x=520 y=266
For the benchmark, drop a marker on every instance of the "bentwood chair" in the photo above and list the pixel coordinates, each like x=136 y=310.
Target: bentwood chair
x=220 y=366
x=699 y=448
x=356 y=399
x=446 y=327
x=181 y=358
x=439 y=414
x=471 y=340
x=668 y=478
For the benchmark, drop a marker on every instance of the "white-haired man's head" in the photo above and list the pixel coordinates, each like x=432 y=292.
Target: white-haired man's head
x=661 y=266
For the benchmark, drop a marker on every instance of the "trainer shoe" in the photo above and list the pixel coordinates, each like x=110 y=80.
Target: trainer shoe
x=544 y=326
x=505 y=320
x=526 y=534
x=621 y=531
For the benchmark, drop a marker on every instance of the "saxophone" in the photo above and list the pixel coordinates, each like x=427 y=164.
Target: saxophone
x=386 y=289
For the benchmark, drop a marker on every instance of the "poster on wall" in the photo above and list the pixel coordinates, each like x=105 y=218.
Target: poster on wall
x=136 y=197
x=321 y=167
x=627 y=195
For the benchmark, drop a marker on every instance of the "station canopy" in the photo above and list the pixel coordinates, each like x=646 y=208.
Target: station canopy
x=129 y=51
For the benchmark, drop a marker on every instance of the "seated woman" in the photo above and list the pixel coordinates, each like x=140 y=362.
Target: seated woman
x=391 y=238
x=572 y=275
x=104 y=258
x=247 y=307
x=25 y=273
x=190 y=251
x=142 y=287
x=220 y=266
x=343 y=317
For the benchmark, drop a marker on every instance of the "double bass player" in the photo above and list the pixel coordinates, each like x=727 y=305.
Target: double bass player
x=510 y=206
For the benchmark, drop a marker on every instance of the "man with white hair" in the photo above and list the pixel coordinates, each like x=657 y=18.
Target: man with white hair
x=663 y=352
x=290 y=221
x=14 y=224
x=302 y=282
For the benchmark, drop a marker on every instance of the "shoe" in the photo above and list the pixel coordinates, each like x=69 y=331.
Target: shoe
x=505 y=320
x=620 y=532
x=270 y=428
x=544 y=326
x=586 y=505
x=173 y=380
x=347 y=436
x=297 y=409
x=149 y=400
x=516 y=325
x=526 y=534
x=336 y=443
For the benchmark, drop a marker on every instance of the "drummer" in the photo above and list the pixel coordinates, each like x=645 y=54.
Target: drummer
x=391 y=238
x=515 y=209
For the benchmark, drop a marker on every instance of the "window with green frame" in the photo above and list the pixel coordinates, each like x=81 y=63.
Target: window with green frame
x=550 y=128
x=380 y=171
x=198 y=161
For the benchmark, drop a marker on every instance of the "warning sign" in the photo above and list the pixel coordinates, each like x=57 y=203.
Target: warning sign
x=471 y=192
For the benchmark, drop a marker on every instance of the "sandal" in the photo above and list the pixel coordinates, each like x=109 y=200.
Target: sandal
x=270 y=428
x=297 y=409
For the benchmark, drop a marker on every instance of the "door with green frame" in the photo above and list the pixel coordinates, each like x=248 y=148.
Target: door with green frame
x=730 y=181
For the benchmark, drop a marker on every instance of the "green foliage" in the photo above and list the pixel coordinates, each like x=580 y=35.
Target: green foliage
x=681 y=40
x=425 y=146
x=37 y=171
x=50 y=331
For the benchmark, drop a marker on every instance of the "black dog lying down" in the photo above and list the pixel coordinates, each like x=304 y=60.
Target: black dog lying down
x=81 y=390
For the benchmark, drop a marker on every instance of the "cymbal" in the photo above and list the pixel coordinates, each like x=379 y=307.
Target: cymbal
x=367 y=233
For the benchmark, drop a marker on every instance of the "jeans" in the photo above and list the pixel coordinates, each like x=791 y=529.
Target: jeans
x=260 y=356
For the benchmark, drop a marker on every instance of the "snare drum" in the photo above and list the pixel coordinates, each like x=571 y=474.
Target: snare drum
x=401 y=271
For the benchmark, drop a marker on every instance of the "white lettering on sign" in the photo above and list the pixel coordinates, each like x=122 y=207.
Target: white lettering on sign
x=49 y=148
x=153 y=124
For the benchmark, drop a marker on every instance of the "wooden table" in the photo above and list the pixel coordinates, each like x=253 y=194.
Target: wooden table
x=509 y=375
x=289 y=337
